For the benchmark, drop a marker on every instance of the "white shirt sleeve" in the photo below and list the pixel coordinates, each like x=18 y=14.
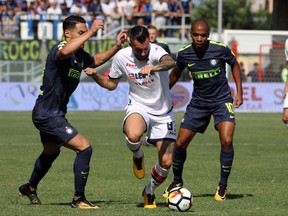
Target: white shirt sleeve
x=286 y=49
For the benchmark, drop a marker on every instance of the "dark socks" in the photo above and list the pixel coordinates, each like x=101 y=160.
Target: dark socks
x=81 y=170
x=226 y=160
x=178 y=163
x=41 y=167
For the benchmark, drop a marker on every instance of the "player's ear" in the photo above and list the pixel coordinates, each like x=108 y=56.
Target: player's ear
x=67 y=33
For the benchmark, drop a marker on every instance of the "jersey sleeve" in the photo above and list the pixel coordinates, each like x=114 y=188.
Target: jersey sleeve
x=115 y=69
x=286 y=49
x=228 y=55
x=180 y=64
x=156 y=53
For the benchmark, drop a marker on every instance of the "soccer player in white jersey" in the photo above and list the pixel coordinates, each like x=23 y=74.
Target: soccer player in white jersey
x=149 y=108
x=285 y=96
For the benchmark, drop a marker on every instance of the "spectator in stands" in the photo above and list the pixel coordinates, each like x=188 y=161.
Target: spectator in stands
x=8 y=18
x=139 y=5
x=253 y=75
x=64 y=9
x=140 y=21
x=128 y=10
x=12 y=8
x=42 y=7
x=78 y=8
x=54 y=8
x=33 y=8
x=243 y=73
x=173 y=19
x=147 y=11
x=24 y=7
x=160 y=8
x=3 y=10
x=95 y=9
x=186 y=10
x=115 y=23
x=108 y=8
x=153 y=38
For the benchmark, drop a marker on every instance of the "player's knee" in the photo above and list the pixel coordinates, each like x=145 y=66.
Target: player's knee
x=285 y=120
x=180 y=146
x=133 y=146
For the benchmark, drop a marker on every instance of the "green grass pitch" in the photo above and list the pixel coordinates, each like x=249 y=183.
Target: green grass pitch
x=257 y=184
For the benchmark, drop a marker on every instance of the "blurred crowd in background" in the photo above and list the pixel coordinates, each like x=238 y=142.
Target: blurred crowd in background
x=141 y=12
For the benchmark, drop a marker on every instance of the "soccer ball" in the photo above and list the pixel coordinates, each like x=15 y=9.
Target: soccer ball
x=179 y=199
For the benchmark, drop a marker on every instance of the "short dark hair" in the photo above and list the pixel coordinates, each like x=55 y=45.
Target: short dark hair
x=71 y=21
x=203 y=21
x=139 y=33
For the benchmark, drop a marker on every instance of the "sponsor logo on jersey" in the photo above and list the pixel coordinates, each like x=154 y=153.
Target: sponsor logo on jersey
x=74 y=73
x=133 y=76
x=206 y=74
x=130 y=65
x=69 y=130
x=190 y=65
x=213 y=62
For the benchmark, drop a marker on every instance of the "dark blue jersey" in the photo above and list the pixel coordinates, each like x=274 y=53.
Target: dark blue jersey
x=208 y=70
x=59 y=80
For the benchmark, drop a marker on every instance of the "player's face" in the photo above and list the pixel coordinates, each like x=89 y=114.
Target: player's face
x=140 y=50
x=199 y=34
x=152 y=35
x=78 y=30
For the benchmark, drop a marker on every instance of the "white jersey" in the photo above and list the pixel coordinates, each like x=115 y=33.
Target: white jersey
x=286 y=49
x=150 y=93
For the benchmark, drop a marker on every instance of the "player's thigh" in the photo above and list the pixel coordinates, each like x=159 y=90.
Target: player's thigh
x=226 y=132
x=196 y=118
x=55 y=131
x=134 y=126
x=135 y=122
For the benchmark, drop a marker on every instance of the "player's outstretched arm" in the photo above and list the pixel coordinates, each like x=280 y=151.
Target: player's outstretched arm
x=76 y=43
x=101 y=58
x=236 y=71
x=174 y=76
x=103 y=81
x=165 y=63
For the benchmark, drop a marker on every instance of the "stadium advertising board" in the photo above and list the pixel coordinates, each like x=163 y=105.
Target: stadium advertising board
x=258 y=97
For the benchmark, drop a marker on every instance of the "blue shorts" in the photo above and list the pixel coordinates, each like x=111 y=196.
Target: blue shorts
x=197 y=117
x=56 y=130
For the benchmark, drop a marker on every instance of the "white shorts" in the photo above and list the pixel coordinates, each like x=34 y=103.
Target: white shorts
x=285 y=104
x=158 y=127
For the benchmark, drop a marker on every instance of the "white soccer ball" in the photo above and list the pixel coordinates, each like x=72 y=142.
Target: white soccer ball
x=179 y=199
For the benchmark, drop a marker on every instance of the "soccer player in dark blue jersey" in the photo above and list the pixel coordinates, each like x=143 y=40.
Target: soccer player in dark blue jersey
x=206 y=61
x=153 y=38
x=60 y=77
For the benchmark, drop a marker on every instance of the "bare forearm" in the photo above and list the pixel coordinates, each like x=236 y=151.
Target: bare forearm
x=165 y=64
x=101 y=58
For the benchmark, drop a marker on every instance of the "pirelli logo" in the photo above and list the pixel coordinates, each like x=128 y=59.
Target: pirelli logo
x=74 y=74
x=206 y=74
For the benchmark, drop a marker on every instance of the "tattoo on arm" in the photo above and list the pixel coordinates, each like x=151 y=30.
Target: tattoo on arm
x=166 y=63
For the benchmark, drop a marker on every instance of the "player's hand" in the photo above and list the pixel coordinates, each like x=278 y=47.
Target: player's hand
x=238 y=101
x=96 y=25
x=146 y=70
x=90 y=72
x=121 y=38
